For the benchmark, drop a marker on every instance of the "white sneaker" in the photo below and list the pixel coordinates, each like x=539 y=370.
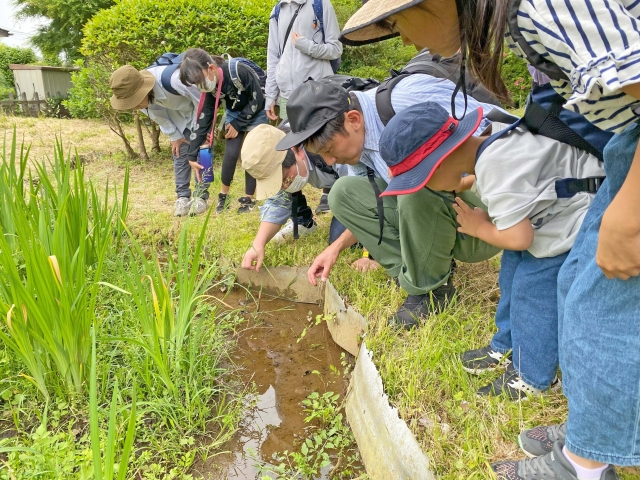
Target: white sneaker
x=198 y=206
x=286 y=232
x=182 y=206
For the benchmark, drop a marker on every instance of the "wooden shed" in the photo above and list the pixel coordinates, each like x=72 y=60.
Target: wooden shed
x=47 y=82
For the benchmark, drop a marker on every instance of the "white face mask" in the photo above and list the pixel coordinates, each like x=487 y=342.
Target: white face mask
x=298 y=182
x=208 y=85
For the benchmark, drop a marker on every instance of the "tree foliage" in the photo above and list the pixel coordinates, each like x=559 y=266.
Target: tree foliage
x=373 y=60
x=9 y=55
x=136 y=32
x=63 y=34
x=516 y=77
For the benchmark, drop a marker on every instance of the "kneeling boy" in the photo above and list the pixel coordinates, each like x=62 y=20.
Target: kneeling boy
x=519 y=177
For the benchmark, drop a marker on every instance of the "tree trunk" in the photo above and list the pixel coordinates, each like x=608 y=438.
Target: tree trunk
x=143 y=149
x=116 y=127
x=155 y=136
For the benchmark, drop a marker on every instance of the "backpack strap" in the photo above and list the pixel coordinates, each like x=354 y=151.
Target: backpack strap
x=165 y=78
x=383 y=98
x=497 y=115
x=286 y=35
x=371 y=176
x=568 y=187
x=295 y=200
x=276 y=12
x=318 y=11
x=546 y=122
x=550 y=69
x=233 y=71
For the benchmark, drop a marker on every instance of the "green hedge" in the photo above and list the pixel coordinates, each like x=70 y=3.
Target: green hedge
x=136 y=32
x=516 y=77
x=9 y=55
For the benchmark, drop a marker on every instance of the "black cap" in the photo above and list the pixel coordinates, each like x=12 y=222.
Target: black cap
x=310 y=107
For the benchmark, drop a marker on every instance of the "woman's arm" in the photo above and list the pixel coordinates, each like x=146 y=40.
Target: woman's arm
x=477 y=223
x=618 y=253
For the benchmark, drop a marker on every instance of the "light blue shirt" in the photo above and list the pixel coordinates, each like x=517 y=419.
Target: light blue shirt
x=417 y=88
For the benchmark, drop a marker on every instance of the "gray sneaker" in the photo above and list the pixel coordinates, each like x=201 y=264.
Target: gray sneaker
x=552 y=466
x=539 y=441
x=198 y=206
x=182 y=206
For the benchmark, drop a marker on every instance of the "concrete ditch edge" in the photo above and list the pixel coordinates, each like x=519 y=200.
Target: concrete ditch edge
x=388 y=448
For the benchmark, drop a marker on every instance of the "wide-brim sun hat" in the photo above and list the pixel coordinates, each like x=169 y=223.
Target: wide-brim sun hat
x=364 y=26
x=417 y=140
x=261 y=159
x=130 y=87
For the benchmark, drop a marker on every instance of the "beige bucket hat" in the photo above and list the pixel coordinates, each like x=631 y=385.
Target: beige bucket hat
x=129 y=87
x=261 y=159
x=364 y=26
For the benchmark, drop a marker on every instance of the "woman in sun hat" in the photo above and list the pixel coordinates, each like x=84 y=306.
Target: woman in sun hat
x=174 y=112
x=591 y=51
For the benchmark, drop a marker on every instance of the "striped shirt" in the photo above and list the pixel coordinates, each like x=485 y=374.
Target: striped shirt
x=415 y=89
x=597 y=44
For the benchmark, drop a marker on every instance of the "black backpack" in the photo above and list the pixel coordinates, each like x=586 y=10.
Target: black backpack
x=436 y=66
x=352 y=84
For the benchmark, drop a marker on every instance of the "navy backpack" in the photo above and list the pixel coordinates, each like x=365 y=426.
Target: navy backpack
x=172 y=62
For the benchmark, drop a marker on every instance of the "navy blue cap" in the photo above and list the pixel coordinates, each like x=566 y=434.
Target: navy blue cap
x=418 y=139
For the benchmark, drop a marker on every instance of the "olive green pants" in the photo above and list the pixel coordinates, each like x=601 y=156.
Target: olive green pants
x=419 y=239
x=283 y=108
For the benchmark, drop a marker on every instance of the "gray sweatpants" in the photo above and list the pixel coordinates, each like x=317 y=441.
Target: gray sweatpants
x=182 y=173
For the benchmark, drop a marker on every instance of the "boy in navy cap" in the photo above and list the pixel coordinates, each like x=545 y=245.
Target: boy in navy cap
x=526 y=181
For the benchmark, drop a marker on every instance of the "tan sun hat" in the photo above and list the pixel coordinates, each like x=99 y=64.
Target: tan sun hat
x=129 y=87
x=363 y=27
x=261 y=159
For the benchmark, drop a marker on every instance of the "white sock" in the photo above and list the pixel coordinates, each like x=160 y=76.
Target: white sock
x=585 y=473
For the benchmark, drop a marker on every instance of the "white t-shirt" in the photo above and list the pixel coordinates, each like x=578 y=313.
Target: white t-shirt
x=515 y=178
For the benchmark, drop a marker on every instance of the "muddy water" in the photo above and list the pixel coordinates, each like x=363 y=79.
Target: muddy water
x=282 y=370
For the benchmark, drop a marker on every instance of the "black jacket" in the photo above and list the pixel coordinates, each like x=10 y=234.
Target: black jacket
x=249 y=102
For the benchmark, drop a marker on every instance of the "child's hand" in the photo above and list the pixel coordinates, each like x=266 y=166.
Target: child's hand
x=468 y=219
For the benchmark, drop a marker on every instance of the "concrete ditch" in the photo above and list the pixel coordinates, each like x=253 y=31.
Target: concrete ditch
x=388 y=449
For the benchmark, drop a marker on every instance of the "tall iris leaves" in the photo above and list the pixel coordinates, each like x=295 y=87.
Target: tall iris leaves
x=168 y=299
x=55 y=235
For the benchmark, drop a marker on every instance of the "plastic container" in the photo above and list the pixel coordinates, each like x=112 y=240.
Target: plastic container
x=205 y=158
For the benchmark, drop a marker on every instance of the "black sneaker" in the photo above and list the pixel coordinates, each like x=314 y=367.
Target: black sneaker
x=539 y=441
x=552 y=466
x=222 y=203
x=484 y=359
x=511 y=385
x=323 y=206
x=417 y=307
x=246 y=204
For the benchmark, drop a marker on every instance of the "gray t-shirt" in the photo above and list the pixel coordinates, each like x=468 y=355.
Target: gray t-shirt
x=515 y=178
